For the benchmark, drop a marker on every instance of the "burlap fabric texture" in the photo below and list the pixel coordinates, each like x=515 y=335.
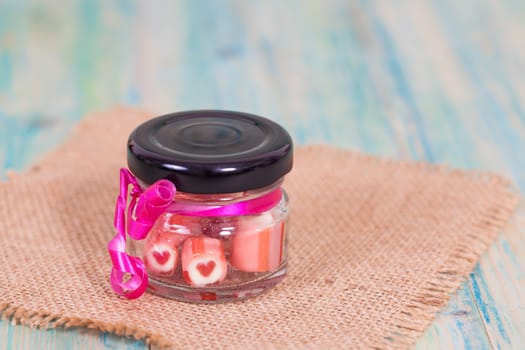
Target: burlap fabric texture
x=376 y=247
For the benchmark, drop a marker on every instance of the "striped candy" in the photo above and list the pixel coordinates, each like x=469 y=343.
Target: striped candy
x=258 y=244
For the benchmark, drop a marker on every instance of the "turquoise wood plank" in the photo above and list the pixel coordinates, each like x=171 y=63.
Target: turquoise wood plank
x=29 y=338
x=439 y=81
x=456 y=327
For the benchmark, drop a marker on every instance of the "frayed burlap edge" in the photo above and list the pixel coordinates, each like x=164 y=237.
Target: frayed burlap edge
x=407 y=327
x=45 y=320
x=436 y=293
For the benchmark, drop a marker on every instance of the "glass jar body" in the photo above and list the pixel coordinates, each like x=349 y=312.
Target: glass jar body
x=216 y=258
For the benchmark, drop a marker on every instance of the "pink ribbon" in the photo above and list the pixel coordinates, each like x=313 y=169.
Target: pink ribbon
x=128 y=275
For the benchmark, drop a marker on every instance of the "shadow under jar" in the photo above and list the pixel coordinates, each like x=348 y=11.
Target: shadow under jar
x=224 y=237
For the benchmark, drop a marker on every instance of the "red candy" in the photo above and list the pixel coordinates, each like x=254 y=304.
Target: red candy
x=203 y=261
x=161 y=257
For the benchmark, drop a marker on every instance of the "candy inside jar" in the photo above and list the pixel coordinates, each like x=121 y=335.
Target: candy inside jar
x=206 y=212
x=226 y=257
x=215 y=258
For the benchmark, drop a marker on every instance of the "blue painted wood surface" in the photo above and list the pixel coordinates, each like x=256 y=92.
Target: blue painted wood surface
x=436 y=80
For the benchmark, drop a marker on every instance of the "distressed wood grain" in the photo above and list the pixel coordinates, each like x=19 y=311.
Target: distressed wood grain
x=436 y=80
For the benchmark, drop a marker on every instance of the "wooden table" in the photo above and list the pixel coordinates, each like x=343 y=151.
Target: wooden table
x=441 y=81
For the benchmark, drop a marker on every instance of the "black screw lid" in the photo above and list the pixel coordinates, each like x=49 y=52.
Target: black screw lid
x=210 y=151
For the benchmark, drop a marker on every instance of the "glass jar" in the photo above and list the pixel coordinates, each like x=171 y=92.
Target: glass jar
x=220 y=233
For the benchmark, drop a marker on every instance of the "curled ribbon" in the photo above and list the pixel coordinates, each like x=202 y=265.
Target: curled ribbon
x=128 y=275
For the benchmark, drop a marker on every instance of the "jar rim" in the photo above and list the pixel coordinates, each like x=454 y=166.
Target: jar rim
x=222 y=198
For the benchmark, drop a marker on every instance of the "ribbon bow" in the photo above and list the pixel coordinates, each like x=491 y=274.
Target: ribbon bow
x=128 y=275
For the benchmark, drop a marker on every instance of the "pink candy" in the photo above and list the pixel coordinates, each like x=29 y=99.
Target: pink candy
x=258 y=245
x=203 y=261
x=161 y=258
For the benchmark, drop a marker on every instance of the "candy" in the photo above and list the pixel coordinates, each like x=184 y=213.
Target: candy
x=258 y=244
x=203 y=261
x=161 y=249
x=160 y=257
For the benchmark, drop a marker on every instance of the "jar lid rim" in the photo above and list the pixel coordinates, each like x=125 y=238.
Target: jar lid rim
x=210 y=151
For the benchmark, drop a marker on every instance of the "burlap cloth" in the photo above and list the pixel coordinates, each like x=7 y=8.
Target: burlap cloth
x=376 y=248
